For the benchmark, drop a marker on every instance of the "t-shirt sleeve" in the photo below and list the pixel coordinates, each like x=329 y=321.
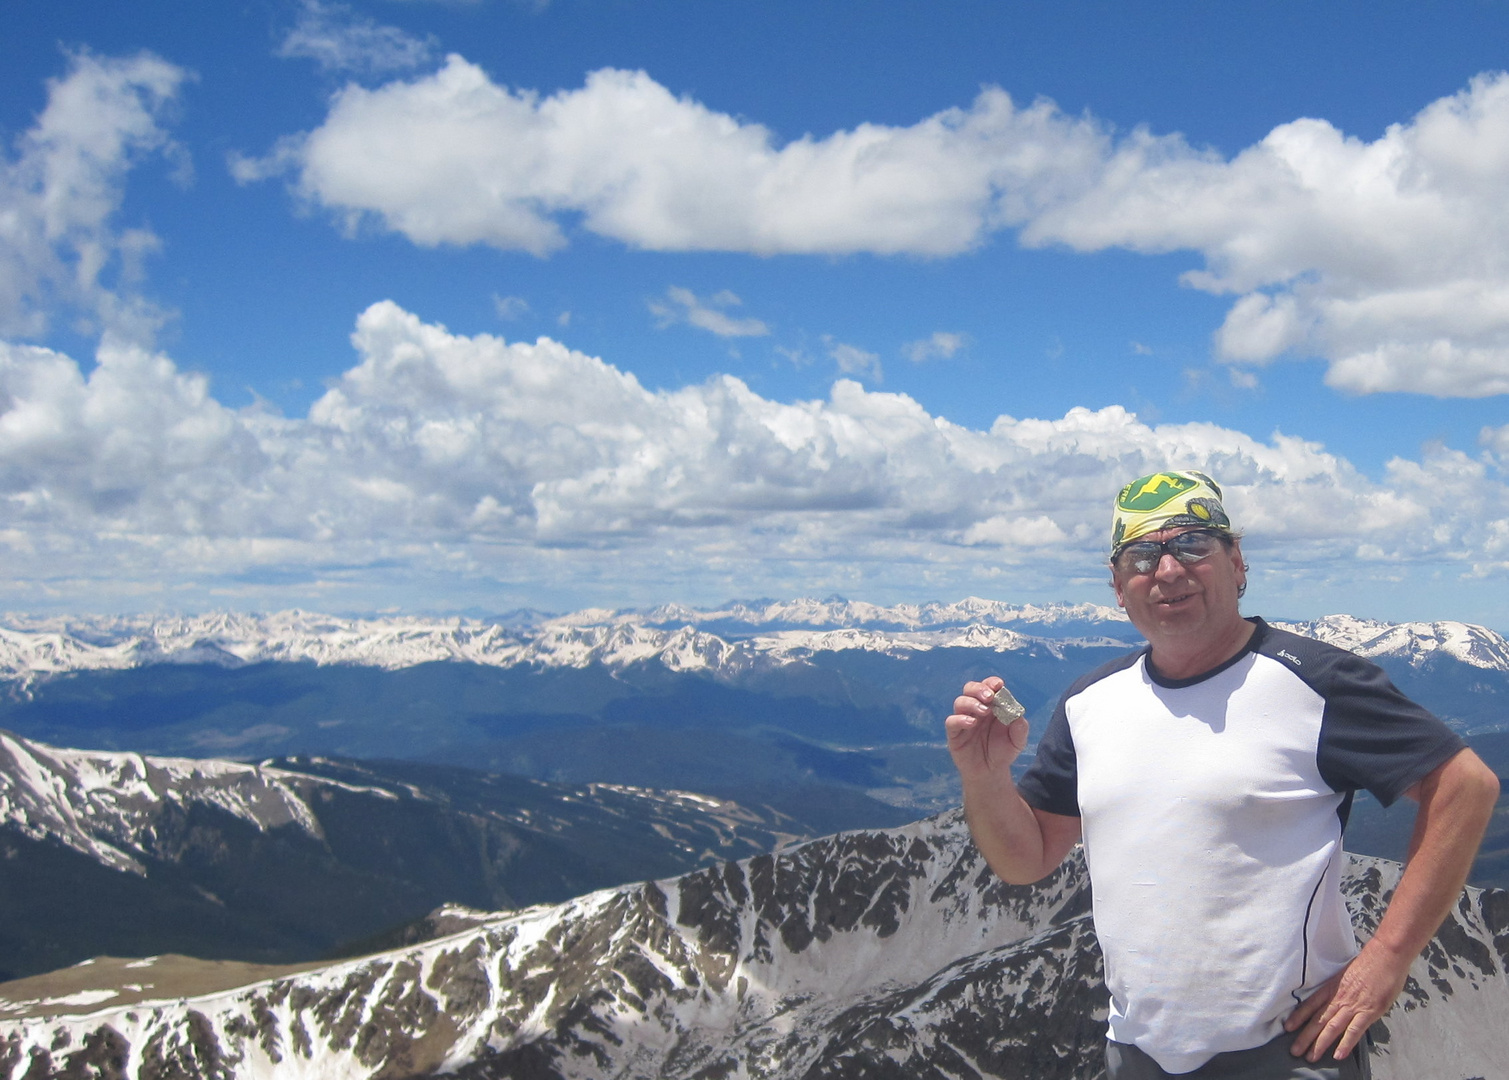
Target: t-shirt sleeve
x=1051 y=782
x=1374 y=737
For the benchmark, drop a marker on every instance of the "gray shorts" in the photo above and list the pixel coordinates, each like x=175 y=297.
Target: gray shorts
x=1271 y=1061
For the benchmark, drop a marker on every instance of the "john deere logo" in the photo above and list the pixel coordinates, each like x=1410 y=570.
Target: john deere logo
x=1154 y=491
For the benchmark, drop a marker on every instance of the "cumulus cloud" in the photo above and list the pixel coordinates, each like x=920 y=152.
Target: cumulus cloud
x=1497 y=442
x=1385 y=258
x=683 y=306
x=1388 y=258
x=60 y=194
x=940 y=346
x=445 y=456
x=339 y=40
x=454 y=158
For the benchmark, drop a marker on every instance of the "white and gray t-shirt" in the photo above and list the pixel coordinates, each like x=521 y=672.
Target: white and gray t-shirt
x=1212 y=810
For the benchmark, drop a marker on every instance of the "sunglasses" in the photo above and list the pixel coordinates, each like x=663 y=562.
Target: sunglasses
x=1143 y=556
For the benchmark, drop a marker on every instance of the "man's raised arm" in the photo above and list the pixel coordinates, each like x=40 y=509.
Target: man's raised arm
x=1021 y=844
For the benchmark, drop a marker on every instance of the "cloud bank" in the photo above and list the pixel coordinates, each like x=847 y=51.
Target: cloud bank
x=1389 y=259
x=439 y=454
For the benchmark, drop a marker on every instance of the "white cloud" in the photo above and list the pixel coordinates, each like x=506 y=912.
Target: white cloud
x=683 y=306
x=1389 y=259
x=59 y=248
x=454 y=158
x=339 y=40
x=940 y=346
x=1496 y=440
x=852 y=360
x=510 y=307
x=443 y=458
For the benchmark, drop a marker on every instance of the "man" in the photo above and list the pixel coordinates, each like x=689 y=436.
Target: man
x=1209 y=775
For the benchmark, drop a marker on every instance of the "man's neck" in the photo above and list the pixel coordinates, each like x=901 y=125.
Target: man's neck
x=1179 y=660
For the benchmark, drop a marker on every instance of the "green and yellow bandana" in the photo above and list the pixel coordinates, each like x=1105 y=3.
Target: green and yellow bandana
x=1166 y=500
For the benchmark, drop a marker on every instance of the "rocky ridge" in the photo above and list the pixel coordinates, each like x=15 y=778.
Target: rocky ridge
x=888 y=953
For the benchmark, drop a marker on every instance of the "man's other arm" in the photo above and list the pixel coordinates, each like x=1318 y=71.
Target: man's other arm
x=1456 y=802
x=1020 y=843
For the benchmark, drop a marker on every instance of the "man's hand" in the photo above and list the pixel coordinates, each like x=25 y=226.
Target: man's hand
x=1343 y=1007
x=979 y=743
x=1021 y=844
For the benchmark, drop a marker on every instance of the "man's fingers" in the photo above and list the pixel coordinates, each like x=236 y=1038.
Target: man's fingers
x=968 y=705
x=1333 y=1028
x=958 y=727
x=980 y=692
x=1350 y=1038
x=1310 y=1016
x=976 y=697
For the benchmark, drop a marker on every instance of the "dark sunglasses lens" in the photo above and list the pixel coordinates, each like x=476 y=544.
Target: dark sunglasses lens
x=1139 y=558
x=1142 y=558
x=1192 y=547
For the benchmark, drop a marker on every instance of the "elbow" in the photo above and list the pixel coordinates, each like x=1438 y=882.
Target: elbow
x=1477 y=785
x=1491 y=788
x=1485 y=783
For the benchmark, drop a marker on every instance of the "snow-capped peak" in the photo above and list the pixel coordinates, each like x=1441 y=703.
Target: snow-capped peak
x=1414 y=642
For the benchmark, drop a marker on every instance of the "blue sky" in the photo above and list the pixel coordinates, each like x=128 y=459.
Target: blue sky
x=472 y=306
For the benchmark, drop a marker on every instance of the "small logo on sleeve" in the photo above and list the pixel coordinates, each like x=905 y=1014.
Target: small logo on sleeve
x=1289 y=656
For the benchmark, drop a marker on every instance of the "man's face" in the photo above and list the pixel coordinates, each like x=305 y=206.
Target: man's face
x=1175 y=600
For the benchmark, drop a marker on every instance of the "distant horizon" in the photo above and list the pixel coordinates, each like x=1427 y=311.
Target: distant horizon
x=485 y=616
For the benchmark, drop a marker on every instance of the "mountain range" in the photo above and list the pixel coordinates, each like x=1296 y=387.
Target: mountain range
x=879 y=953
x=725 y=642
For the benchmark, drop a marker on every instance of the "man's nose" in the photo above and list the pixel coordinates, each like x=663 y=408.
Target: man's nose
x=1168 y=566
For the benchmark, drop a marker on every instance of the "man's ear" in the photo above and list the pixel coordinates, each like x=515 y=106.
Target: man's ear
x=1240 y=564
x=1116 y=585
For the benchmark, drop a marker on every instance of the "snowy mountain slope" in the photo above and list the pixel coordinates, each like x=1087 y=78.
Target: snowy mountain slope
x=882 y=953
x=107 y=805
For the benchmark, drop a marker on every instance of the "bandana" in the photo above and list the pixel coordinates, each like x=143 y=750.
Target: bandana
x=1163 y=501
